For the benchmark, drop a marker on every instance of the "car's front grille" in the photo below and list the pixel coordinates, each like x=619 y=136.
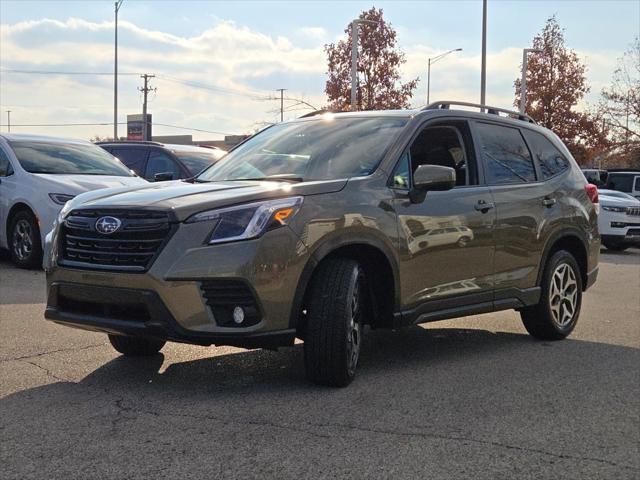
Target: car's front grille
x=223 y=296
x=635 y=211
x=131 y=247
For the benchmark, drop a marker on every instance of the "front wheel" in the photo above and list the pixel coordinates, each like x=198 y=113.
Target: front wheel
x=24 y=240
x=136 y=346
x=334 y=323
x=556 y=314
x=615 y=246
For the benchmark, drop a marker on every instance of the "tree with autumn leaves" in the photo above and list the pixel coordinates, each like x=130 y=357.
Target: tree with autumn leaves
x=556 y=84
x=379 y=85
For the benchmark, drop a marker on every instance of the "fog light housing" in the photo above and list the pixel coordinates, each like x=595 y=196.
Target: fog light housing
x=238 y=315
x=618 y=224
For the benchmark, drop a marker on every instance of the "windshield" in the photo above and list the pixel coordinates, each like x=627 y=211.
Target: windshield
x=70 y=158
x=198 y=161
x=325 y=148
x=620 y=181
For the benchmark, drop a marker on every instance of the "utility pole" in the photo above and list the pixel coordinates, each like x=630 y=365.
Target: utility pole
x=145 y=90
x=483 y=68
x=523 y=80
x=9 y=121
x=354 y=60
x=117 y=5
x=281 y=90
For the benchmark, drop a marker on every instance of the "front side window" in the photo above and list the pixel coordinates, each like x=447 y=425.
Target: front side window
x=5 y=165
x=551 y=161
x=69 y=158
x=322 y=148
x=506 y=156
x=160 y=162
x=134 y=158
x=198 y=161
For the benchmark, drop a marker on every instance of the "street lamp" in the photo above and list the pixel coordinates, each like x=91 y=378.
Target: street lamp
x=117 y=5
x=354 y=59
x=523 y=81
x=433 y=60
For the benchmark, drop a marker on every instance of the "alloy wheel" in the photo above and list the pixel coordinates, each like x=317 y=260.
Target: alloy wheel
x=354 y=334
x=563 y=294
x=23 y=239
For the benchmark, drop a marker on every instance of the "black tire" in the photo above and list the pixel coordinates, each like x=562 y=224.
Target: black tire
x=615 y=246
x=136 y=346
x=334 y=322
x=24 y=240
x=556 y=315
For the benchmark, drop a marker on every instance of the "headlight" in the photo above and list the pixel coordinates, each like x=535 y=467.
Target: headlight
x=615 y=209
x=250 y=220
x=60 y=198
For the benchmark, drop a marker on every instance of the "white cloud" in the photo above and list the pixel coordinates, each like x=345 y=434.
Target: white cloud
x=247 y=63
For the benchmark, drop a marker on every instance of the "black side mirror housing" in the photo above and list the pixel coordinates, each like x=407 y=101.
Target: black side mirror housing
x=163 y=176
x=431 y=177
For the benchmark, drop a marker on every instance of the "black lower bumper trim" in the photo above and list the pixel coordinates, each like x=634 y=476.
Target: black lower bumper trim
x=95 y=311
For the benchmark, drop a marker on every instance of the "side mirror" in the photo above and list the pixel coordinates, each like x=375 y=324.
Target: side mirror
x=431 y=177
x=163 y=176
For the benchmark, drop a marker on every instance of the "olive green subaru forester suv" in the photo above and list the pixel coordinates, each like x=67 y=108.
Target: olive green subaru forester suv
x=314 y=228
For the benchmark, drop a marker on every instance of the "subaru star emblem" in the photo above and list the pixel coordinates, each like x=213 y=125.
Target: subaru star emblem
x=107 y=225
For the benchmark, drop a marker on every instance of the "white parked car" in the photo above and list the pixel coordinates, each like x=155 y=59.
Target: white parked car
x=38 y=175
x=619 y=220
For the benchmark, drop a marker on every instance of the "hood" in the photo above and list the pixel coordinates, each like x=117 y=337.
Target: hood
x=615 y=201
x=76 y=184
x=184 y=199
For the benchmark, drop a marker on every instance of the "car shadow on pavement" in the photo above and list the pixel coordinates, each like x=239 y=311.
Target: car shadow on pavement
x=441 y=396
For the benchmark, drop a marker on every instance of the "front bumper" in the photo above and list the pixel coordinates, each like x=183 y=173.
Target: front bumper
x=170 y=299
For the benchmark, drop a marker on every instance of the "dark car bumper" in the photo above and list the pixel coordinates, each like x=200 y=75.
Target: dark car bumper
x=141 y=313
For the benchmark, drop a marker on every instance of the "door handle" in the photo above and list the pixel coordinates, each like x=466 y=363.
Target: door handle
x=549 y=202
x=483 y=206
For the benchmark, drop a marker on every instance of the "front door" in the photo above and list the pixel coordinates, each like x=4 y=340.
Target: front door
x=446 y=240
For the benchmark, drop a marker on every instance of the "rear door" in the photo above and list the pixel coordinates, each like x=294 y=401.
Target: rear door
x=527 y=208
x=446 y=240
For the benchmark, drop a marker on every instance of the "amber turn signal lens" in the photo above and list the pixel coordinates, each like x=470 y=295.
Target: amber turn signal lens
x=282 y=215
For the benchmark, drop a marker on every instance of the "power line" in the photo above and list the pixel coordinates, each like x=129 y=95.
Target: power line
x=179 y=127
x=56 y=72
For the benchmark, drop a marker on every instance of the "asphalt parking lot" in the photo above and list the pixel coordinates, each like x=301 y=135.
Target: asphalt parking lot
x=467 y=398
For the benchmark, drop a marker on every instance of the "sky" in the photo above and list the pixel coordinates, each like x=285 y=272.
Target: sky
x=218 y=64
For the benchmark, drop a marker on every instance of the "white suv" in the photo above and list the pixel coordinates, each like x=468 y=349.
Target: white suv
x=38 y=175
x=619 y=220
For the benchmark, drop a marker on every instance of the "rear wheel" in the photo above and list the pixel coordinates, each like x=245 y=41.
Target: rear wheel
x=556 y=314
x=136 y=346
x=24 y=240
x=334 y=323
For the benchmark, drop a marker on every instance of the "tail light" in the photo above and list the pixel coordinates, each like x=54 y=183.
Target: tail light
x=592 y=192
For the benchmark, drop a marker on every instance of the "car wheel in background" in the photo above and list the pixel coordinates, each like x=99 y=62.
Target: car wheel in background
x=24 y=240
x=556 y=314
x=136 y=346
x=615 y=246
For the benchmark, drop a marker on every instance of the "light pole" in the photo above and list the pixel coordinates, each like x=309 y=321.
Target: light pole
x=117 y=5
x=431 y=61
x=483 y=66
x=9 y=121
x=354 y=59
x=523 y=80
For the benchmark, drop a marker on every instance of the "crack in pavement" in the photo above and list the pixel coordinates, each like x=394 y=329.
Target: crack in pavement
x=50 y=352
x=46 y=370
x=425 y=435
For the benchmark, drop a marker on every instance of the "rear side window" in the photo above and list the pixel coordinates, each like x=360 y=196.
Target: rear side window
x=134 y=158
x=5 y=164
x=551 y=161
x=505 y=154
x=637 y=184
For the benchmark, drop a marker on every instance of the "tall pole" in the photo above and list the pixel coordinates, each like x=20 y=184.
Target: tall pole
x=523 y=79
x=115 y=74
x=483 y=68
x=145 y=90
x=354 y=65
x=428 y=80
x=9 y=121
x=281 y=90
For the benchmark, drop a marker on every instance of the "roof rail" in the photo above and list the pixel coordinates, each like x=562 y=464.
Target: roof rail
x=444 y=105
x=137 y=142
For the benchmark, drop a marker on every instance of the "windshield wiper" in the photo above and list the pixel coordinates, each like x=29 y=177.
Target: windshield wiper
x=285 y=177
